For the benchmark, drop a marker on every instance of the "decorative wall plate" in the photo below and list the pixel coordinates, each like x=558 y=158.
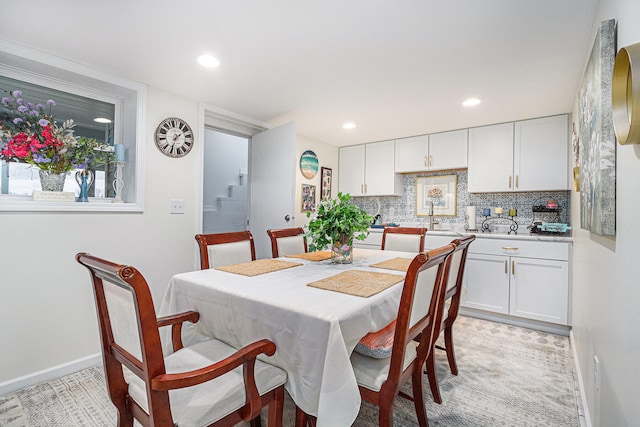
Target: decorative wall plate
x=309 y=164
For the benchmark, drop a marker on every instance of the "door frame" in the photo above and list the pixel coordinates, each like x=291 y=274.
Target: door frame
x=224 y=121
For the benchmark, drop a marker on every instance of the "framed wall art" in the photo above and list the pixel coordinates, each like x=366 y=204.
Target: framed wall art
x=597 y=141
x=308 y=198
x=325 y=183
x=436 y=195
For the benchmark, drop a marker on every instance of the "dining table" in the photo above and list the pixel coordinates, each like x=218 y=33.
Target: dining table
x=315 y=329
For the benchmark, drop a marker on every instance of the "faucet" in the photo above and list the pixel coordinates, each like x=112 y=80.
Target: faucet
x=432 y=222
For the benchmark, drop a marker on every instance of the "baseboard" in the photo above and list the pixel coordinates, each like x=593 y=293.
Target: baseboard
x=583 y=396
x=516 y=321
x=49 y=374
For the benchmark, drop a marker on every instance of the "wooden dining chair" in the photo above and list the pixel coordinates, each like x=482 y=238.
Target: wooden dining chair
x=287 y=241
x=419 y=314
x=404 y=239
x=217 y=250
x=452 y=297
x=206 y=384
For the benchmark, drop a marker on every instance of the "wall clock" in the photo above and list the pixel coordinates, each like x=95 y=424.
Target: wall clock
x=174 y=137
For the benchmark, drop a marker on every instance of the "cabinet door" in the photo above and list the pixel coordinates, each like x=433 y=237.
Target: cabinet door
x=412 y=154
x=448 y=150
x=380 y=174
x=491 y=158
x=486 y=283
x=539 y=289
x=351 y=178
x=541 y=152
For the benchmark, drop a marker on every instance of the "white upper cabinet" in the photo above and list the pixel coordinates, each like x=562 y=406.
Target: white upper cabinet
x=440 y=151
x=491 y=159
x=541 y=151
x=369 y=170
x=448 y=150
x=529 y=155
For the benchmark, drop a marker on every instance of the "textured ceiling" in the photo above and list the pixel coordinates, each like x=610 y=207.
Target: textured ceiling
x=395 y=68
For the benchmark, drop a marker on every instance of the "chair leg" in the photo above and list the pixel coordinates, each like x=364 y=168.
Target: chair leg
x=451 y=355
x=303 y=419
x=385 y=413
x=275 y=409
x=256 y=422
x=433 y=378
x=418 y=397
x=125 y=419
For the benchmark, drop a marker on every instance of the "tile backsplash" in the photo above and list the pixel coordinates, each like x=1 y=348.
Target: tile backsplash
x=403 y=208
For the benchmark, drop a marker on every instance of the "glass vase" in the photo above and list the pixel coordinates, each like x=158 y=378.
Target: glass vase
x=52 y=181
x=342 y=250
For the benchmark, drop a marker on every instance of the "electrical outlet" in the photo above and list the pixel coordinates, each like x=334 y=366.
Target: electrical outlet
x=596 y=371
x=177 y=206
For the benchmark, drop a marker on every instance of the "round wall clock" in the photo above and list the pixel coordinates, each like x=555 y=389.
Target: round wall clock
x=174 y=137
x=309 y=164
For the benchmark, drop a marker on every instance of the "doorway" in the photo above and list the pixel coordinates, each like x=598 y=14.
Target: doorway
x=225 y=182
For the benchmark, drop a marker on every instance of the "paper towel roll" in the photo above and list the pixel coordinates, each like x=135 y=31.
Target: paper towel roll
x=471 y=217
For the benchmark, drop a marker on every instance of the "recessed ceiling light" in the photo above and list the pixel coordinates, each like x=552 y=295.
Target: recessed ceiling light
x=471 y=102
x=208 y=61
x=349 y=125
x=102 y=120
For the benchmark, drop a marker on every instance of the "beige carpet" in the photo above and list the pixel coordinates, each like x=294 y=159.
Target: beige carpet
x=509 y=376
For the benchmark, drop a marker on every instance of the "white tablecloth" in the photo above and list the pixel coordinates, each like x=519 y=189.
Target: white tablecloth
x=315 y=330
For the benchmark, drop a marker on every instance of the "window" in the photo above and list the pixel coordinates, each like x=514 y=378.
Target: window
x=82 y=94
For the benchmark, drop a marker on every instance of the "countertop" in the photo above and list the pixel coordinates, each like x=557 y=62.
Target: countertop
x=523 y=234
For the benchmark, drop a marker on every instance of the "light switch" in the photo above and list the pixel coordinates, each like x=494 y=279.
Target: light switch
x=177 y=206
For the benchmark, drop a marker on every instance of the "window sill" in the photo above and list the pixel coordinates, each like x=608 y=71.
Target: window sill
x=25 y=204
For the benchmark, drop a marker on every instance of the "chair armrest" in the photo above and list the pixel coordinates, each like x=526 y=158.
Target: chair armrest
x=246 y=357
x=176 y=321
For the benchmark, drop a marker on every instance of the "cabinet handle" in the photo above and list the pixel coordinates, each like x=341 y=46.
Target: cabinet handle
x=365 y=188
x=509 y=181
x=425 y=161
x=361 y=188
x=430 y=160
x=517 y=185
x=509 y=248
x=513 y=268
x=506 y=267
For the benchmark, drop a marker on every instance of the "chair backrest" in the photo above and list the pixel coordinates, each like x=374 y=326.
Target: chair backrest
x=421 y=305
x=128 y=329
x=404 y=239
x=456 y=273
x=287 y=241
x=217 y=250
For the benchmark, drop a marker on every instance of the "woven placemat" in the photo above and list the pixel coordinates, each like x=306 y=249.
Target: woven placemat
x=358 y=282
x=255 y=268
x=400 y=264
x=313 y=256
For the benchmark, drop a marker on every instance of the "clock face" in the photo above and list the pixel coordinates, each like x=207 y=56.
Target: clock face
x=174 y=137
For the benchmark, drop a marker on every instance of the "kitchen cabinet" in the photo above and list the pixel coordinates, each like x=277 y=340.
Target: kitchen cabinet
x=369 y=170
x=373 y=240
x=440 y=151
x=528 y=279
x=528 y=155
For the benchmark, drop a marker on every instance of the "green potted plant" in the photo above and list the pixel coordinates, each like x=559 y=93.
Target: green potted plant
x=336 y=222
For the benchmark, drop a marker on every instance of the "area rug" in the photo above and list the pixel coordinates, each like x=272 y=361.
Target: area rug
x=508 y=376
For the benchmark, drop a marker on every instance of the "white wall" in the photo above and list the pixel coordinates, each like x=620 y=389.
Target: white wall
x=328 y=158
x=46 y=302
x=606 y=291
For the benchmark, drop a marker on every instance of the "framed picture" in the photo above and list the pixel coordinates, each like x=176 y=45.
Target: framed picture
x=325 y=183
x=308 y=198
x=436 y=195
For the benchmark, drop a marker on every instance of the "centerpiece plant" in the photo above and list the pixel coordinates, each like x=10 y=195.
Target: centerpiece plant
x=336 y=222
x=30 y=134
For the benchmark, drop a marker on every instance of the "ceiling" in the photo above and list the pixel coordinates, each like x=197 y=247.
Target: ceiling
x=394 y=68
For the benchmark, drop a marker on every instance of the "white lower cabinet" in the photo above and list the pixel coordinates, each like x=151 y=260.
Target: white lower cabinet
x=373 y=240
x=528 y=279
